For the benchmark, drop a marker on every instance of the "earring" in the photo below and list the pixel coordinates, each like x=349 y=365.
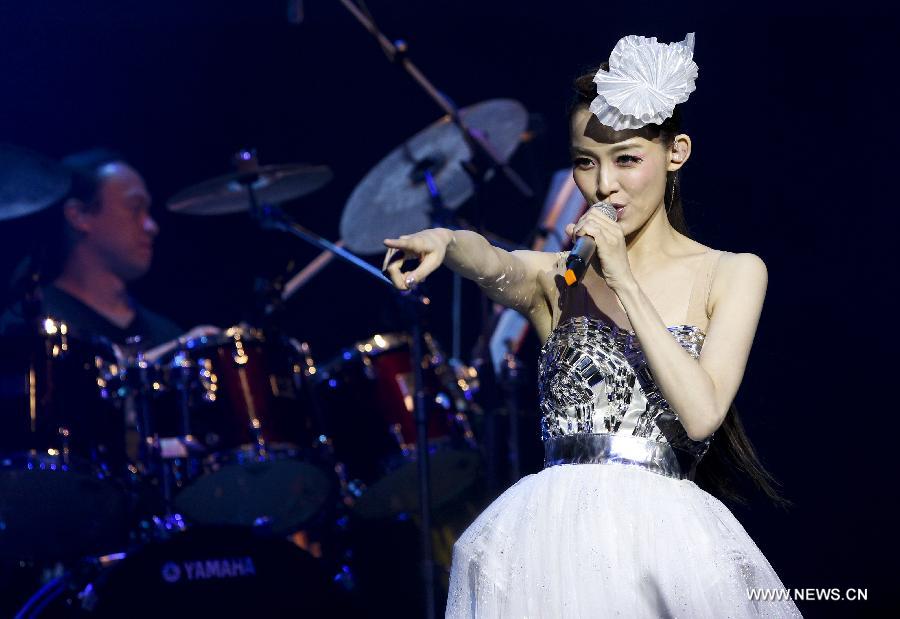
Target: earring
x=672 y=193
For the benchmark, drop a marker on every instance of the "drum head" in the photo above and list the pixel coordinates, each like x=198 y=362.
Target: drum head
x=217 y=572
x=285 y=492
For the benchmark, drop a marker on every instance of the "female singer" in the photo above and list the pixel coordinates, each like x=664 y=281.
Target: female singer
x=640 y=363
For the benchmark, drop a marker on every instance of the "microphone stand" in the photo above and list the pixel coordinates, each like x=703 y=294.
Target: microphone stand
x=510 y=378
x=397 y=53
x=271 y=217
x=484 y=160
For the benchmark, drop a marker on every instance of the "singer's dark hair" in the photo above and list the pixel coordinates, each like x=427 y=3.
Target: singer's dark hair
x=730 y=452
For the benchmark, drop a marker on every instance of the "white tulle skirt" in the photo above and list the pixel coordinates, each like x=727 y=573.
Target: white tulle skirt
x=609 y=540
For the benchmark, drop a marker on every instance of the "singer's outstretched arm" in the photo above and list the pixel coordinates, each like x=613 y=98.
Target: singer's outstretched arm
x=509 y=278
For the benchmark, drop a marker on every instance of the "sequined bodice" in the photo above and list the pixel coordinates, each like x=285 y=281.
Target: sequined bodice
x=594 y=379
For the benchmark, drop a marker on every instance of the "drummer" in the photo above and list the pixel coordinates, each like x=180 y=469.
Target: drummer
x=104 y=242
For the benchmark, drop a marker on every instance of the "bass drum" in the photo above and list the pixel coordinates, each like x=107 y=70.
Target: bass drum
x=65 y=476
x=202 y=572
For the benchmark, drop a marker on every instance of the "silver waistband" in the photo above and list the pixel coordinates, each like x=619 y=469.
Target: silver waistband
x=652 y=455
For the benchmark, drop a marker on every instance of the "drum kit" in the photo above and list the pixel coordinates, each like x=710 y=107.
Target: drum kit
x=118 y=462
x=176 y=475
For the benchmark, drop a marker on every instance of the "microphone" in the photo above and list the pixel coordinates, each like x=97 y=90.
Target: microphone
x=584 y=248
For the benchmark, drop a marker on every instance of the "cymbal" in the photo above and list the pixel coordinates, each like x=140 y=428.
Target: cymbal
x=273 y=184
x=394 y=199
x=29 y=182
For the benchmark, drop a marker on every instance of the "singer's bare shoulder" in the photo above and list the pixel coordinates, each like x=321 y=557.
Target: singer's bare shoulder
x=738 y=277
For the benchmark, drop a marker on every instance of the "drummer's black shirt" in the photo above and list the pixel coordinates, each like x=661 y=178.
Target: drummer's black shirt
x=85 y=322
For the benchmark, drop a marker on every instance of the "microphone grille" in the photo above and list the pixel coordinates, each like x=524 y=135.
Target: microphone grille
x=607 y=209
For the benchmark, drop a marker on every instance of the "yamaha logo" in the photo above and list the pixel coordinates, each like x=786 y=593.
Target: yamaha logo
x=171 y=572
x=208 y=569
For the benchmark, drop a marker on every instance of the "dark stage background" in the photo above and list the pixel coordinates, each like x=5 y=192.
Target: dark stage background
x=793 y=159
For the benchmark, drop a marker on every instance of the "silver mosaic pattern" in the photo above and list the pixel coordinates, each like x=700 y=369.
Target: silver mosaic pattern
x=594 y=378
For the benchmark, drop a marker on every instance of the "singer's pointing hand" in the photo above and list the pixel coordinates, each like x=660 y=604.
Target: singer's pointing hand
x=610 y=241
x=429 y=246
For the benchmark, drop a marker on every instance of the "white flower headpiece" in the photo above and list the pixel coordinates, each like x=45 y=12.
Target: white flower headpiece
x=645 y=81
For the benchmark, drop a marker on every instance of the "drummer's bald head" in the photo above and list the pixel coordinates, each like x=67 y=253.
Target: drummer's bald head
x=105 y=218
x=86 y=168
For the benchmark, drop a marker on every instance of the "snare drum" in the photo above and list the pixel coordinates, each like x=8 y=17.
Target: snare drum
x=64 y=470
x=368 y=394
x=246 y=403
